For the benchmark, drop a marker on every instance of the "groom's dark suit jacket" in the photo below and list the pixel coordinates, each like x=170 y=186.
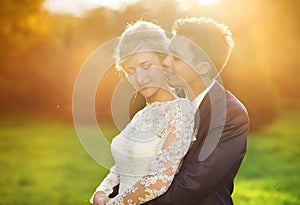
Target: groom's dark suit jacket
x=223 y=129
x=208 y=170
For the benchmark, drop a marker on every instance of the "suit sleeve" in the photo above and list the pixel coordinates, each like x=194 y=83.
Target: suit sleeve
x=198 y=178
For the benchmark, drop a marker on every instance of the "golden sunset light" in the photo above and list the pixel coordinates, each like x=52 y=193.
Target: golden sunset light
x=55 y=125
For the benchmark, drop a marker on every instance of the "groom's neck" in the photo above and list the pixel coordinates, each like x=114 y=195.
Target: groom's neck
x=194 y=89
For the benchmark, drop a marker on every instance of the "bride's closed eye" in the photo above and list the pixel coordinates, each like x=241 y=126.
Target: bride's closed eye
x=130 y=70
x=143 y=66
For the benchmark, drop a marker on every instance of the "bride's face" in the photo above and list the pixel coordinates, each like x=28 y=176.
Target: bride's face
x=144 y=71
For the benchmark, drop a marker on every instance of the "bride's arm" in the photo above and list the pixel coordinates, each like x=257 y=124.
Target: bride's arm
x=107 y=185
x=177 y=135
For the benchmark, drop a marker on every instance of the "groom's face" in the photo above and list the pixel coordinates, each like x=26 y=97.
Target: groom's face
x=179 y=72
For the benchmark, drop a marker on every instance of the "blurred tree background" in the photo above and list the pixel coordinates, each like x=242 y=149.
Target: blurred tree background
x=41 y=53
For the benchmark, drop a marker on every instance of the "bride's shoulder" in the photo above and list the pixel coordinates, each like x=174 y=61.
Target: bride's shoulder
x=183 y=104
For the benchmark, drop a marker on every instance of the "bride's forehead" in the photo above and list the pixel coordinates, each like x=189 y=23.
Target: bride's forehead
x=140 y=58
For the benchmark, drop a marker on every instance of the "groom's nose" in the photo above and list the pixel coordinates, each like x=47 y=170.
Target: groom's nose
x=168 y=62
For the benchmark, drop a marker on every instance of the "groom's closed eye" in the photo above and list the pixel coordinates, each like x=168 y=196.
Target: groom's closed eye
x=176 y=55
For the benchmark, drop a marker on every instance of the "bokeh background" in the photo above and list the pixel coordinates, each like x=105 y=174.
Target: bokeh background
x=45 y=43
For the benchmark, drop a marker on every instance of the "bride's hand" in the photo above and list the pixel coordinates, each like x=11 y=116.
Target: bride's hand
x=100 y=198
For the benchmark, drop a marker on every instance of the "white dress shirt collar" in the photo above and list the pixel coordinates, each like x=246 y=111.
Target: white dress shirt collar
x=197 y=101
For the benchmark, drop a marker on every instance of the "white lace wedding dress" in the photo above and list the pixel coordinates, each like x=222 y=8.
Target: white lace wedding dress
x=148 y=152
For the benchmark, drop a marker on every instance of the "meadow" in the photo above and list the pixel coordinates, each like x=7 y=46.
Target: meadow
x=43 y=162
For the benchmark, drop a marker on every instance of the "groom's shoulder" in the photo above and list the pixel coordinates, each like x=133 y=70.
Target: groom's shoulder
x=235 y=106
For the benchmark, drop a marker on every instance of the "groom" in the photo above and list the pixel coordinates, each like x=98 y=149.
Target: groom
x=200 y=49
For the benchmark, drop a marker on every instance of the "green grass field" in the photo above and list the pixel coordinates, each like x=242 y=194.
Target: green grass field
x=44 y=163
x=270 y=173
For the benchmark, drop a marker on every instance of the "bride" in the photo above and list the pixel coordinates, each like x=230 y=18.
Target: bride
x=149 y=150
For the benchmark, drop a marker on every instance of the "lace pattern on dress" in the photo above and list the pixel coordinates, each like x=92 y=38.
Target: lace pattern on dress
x=108 y=183
x=173 y=123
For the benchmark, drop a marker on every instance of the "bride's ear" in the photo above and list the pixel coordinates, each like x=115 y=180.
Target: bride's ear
x=203 y=67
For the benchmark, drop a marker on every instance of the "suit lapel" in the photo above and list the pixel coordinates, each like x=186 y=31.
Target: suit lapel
x=205 y=120
x=203 y=115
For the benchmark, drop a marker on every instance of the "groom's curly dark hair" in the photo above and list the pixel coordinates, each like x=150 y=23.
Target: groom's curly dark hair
x=212 y=37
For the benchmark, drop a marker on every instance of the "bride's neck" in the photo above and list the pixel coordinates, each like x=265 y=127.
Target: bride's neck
x=163 y=94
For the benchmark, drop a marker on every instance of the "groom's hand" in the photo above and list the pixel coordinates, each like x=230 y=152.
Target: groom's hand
x=100 y=198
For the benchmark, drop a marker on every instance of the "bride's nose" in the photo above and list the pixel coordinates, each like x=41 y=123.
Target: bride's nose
x=140 y=76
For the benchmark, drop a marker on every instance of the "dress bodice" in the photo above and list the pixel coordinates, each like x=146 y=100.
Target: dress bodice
x=136 y=146
x=149 y=150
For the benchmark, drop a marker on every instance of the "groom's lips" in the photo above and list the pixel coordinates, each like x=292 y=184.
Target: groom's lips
x=171 y=76
x=169 y=73
x=172 y=79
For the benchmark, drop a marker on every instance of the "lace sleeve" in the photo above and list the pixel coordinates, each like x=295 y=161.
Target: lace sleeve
x=177 y=137
x=108 y=183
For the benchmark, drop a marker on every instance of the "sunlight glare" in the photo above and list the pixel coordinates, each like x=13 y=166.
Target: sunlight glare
x=208 y=2
x=79 y=7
